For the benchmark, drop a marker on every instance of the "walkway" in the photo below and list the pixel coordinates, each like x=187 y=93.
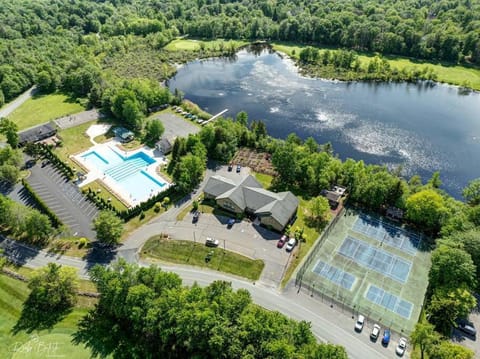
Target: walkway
x=77 y=119
x=13 y=105
x=214 y=117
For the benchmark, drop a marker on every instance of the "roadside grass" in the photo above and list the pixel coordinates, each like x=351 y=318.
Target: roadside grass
x=35 y=345
x=40 y=109
x=191 y=253
x=194 y=45
x=264 y=179
x=105 y=193
x=446 y=73
x=204 y=206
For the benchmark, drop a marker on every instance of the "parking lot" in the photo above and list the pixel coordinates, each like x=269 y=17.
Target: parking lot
x=176 y=126
x=64 y=199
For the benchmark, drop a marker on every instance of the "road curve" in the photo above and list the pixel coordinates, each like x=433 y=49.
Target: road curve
x=325 y=326
x=13 y=105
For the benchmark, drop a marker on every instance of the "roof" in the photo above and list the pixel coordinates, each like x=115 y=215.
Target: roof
x=37 y=133
x=332 y=196
x=249 y=194
x=165 y=143
x=122 y=132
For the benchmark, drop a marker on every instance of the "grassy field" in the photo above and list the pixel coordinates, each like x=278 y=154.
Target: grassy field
x=74 y=140
x=41 y=109
x=191 y=253
x=194 y=45
x=105 y=194
x=56 y=342
x=447 y=73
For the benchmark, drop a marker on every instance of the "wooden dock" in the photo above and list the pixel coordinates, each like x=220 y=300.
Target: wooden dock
x=215 y=117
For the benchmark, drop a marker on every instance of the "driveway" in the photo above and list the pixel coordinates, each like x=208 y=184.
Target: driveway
x=176 y=126
x=13 y=105
x=64 y=199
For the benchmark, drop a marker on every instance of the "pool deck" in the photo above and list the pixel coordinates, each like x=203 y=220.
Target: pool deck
x=95 y=173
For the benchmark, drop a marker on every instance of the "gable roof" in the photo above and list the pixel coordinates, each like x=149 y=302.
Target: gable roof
x=37 y=133
x=249 y=194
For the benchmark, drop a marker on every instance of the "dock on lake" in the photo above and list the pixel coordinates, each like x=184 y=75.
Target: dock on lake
x=215 y=117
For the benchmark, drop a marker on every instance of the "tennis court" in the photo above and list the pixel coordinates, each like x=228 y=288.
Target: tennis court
x=368 y=266
x=388 y=234
x=376 y=259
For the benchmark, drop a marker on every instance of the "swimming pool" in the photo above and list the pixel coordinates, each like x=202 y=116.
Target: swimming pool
x=128 y=172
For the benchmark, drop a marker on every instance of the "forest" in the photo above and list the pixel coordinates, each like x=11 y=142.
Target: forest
x=73 y=45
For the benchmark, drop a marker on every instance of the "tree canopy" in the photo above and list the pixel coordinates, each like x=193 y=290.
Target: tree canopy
x=145 y=312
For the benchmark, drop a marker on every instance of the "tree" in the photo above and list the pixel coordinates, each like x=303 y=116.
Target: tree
x=9 y=129
x=188 y=172
x=109 y=227
x=447 y=305
x=53 y=294
x=242 y=118
x=154 y=131
x=320 y=209
x=37 y=226
x=427 y=209
x=285 y=162
x=146 y=312
x=435 y=181
x=425 y=337
x=451 y=268
x=448 y=350
x=472 y=192
x=9 y=173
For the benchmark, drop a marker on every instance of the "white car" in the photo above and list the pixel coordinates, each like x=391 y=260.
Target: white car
x=210 y=242
x=290 y=244
x=359 y=324
x=401 y=347
x=375 y=332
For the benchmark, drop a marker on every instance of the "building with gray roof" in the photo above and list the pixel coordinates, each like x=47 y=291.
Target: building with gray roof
x=274 y=210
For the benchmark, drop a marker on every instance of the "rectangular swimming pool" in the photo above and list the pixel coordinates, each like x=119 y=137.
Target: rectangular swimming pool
x=129 y=172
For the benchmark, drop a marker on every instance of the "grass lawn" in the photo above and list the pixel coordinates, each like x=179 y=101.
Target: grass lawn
x=191 y=253
x=447 y=73
x=74 y=140
x=105 y=194
x=40 y=109
x=204 y=207
x=194 y=45
x=34 y=345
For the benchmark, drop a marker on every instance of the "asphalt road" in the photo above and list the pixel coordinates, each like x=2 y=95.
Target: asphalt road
x=299 y=306
x=13 y=105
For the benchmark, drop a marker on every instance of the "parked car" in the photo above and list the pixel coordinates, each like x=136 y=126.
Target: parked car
x=196 y=216
x=239 y=168
x=359 y=323
x=230 y=223
x=467 y=327
x=292 y=242
x=386 y=337
x=210 y=242
x=401 y=347
x=281 y=242
x=375 y=332
x=230 y=167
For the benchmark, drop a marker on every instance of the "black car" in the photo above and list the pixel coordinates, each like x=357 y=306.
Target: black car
x=230 y=167
x=467 y=327
x=196 y=215
x=230 y=223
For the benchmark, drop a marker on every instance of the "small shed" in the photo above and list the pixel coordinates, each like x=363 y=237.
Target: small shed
x=165 y=145
x=333 y=198
x=37 y=133
x=124 y=134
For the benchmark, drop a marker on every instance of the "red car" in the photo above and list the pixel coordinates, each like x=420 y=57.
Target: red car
x=281 y=242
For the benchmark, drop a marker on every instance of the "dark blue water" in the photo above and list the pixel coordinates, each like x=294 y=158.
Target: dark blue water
x=422 y=128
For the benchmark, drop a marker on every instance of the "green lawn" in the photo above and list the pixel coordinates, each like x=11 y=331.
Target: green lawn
x=40 y=109
x=448 y=73
x=194 y=45
x=105 y=194
x=74 y=140
x=56 y=342
x=191 y=253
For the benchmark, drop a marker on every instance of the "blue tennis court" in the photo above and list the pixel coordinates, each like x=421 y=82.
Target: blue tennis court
x=387 y=234
x=389 y=301
x=334 y=274
x=376 y=259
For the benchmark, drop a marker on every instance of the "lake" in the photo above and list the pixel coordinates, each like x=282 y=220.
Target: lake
x=422 y=127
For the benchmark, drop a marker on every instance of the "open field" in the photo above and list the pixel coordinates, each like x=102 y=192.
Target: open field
x=192 y=253
x=447 y=73
x=56 y=342
x=194 y=45
x=40 y=109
